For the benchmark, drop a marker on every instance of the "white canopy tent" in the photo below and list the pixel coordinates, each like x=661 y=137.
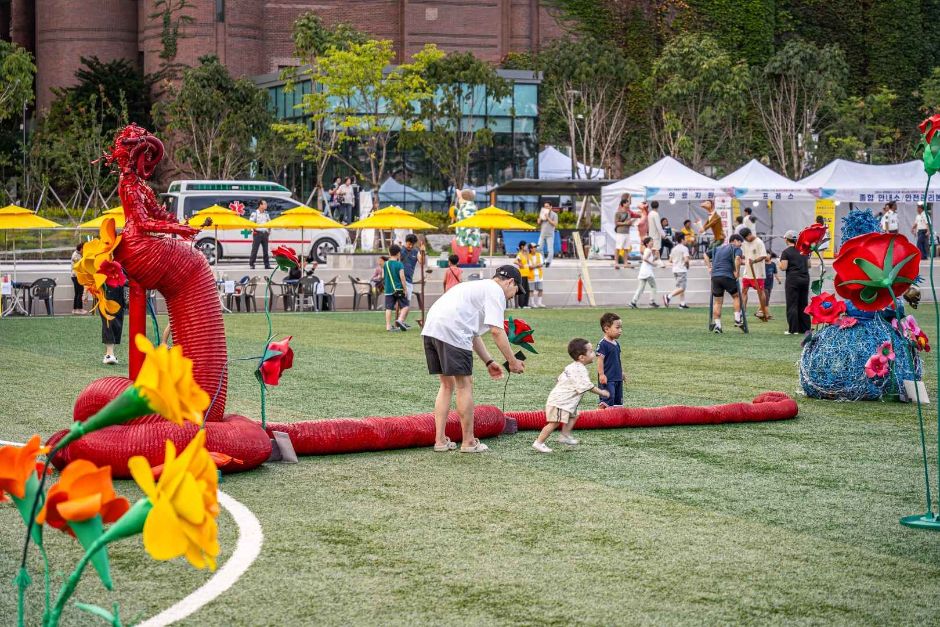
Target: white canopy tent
x=554 y=165
x=778 y=203
x=867 y=186
x=682 y=189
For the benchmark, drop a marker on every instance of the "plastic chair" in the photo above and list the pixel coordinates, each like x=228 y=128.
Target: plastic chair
x=307 y=293
x=236 y=296
x=248 y=295
x=42 y=290
x=327 y=300
x=360 y=288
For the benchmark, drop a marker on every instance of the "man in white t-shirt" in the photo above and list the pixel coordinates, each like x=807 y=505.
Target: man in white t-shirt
x=753 y=271
x=452 y=333
x=749 y=221
x=889 y=221
x=548 y=222
x=680 y=270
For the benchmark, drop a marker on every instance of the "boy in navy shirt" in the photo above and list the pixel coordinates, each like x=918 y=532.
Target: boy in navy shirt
x=771 y=269
x=609 y=368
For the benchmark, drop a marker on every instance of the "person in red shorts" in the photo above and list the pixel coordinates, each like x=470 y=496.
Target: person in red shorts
x=753 y=271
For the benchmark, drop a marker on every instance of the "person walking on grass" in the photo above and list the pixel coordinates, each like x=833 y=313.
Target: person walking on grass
x=453 y=275
x=645 y=277
x=112 y=330
x=755 y=258
x=561 y=408
x=412 y=257
x=393 y=272
x=796 y=288
x=547 y=222
x=452 y=333
x=522 y=262
x=724 y=264
x=77 y=307
x=609 y=365
x=538 y=272
x=680 y=270
x=771 y=276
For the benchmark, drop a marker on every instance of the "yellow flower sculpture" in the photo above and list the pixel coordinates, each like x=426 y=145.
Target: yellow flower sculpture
x=88 y=269
x=184 y=503
x=166 y=382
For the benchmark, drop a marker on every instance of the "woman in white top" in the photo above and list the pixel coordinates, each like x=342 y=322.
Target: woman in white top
x=645 y=278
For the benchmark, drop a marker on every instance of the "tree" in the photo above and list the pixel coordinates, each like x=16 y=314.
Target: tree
x=698 y=96
x=172 y=18
x=457 y=129
x=587 y=85
x=312 y=39
x=16 y=79
x=370 y=104
x=790 y=93
x=213 y=120
x=106 y=80
x=863 y=129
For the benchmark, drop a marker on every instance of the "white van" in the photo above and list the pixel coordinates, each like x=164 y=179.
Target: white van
x=184 y=198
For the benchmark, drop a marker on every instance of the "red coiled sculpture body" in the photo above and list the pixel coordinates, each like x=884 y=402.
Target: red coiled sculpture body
x=154 y=260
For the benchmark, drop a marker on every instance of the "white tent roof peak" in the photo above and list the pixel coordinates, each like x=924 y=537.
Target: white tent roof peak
x=554 y=165
x=755 y=181
x=863 y=182
x=664 y=179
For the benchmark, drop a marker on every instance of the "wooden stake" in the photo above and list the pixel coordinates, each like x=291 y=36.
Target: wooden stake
x=579 y=248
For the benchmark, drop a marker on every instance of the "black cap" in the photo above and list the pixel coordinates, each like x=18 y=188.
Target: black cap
x=511 y=272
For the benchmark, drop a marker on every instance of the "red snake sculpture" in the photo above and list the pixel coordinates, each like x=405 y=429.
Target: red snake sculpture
x=154 y=260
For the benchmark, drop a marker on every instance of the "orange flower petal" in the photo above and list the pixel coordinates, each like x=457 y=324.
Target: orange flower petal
x=77 y=510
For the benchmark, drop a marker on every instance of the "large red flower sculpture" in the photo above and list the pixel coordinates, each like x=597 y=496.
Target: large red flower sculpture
x=811 y=237
x=873 y=269
x=825 y=308
x=285 y=257
x=929 y=126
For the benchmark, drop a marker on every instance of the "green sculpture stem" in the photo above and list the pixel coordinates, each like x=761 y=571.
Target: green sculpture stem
x=264 y=349
x=69 y=586
x=936 y=313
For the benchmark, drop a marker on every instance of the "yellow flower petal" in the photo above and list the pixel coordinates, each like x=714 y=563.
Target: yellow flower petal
x=143 y=475
x=187 y=501
x=162 y=534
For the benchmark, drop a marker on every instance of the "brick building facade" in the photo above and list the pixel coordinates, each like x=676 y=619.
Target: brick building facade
x=253 y=37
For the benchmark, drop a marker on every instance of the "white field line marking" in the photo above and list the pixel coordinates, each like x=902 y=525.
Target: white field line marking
x=247 y=549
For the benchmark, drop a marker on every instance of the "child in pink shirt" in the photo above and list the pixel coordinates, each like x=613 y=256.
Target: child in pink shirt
x=453 y=275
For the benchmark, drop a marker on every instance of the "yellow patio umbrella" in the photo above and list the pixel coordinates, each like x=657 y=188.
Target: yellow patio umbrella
x=493 y=219
x=13 y=218
x=302 y=218
x=391 y=218
x=217 y=217
x=117 y=213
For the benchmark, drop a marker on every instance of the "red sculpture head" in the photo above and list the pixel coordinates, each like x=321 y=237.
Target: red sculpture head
x=135 y=151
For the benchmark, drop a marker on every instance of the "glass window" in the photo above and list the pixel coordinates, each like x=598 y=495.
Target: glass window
x=526 y=100
x=525 y=125
x=502 y=106
x=501 y=125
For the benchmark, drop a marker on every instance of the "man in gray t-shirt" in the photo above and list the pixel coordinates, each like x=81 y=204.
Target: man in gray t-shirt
x=548 y=220
x=724 y=263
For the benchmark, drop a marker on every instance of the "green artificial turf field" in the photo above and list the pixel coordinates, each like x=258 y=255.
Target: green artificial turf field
x=787 y=522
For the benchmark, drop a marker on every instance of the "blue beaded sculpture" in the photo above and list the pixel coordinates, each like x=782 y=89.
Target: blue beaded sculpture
x=832 y=365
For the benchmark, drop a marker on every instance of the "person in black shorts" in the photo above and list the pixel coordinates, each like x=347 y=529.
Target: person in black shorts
x=724 y=263
x=452 y=333
x=796 y=289
x=393 y=272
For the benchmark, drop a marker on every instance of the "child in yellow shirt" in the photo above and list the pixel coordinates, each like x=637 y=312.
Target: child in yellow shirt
x=522 y=262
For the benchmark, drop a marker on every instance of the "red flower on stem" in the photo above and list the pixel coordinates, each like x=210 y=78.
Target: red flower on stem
x=285 y=257
x=519 y=333
x=825 y=308
x=811 y=237
x=873 y=269
x=277 y=358
x=929 y=126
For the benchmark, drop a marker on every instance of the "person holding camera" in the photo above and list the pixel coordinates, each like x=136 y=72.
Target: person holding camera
x=395 y=295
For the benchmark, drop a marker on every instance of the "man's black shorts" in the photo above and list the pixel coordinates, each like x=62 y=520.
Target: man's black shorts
x=722 y=285
x=447 y=359
x=401 y=299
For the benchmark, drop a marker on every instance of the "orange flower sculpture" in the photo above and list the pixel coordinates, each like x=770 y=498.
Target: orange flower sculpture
x=83 y=492
x=182 y=506
x=88 y=270
x=17 y=466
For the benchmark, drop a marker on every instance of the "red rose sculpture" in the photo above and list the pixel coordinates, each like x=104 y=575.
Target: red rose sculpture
x=519 y=333
x=929 y=126
x=285 y=257
x=825 y=308
x=113 y=272
x=277 y=358
x=873 y=269
x=811 y=237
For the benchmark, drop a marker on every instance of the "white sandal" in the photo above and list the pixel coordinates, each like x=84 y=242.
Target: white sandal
x=447 y=446
x=479 y=447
